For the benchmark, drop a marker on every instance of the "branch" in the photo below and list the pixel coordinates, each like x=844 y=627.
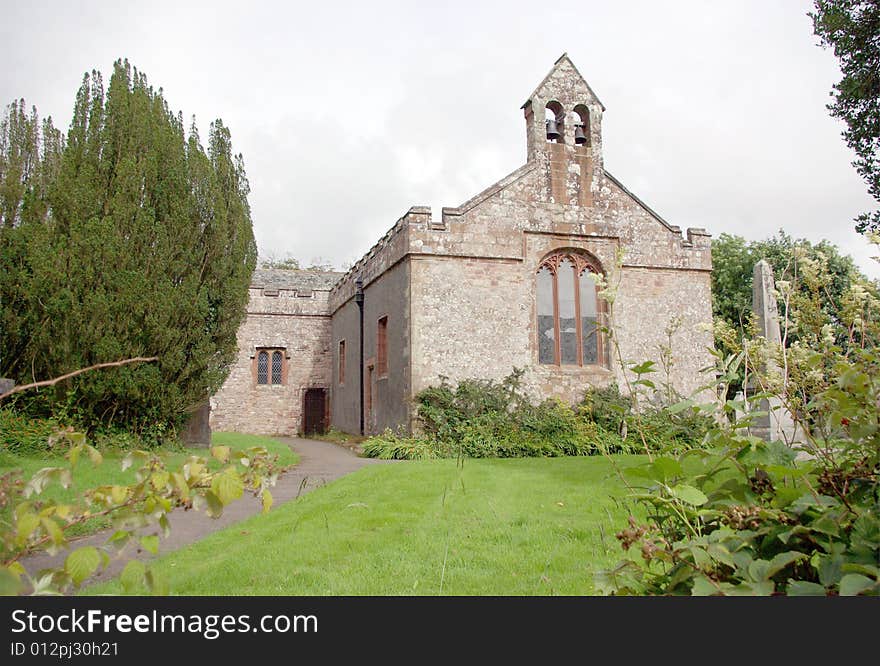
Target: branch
x=52 y=382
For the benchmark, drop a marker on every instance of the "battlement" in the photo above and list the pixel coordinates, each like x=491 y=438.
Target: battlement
x=386 y=252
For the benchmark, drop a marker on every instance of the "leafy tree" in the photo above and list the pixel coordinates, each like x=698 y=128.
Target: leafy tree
x=734 y=259
x=146 y=248
x=850 y=28
x=751 y=517
x=286 y=262
x=320 y=264
x=30 y=154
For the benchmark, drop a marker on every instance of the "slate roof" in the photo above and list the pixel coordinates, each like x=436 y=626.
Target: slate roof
x=276 y=278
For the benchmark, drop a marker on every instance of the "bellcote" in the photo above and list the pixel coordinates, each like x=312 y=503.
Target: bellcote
x=563 y=109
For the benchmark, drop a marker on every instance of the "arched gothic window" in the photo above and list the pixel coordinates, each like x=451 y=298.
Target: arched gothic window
x=569 y=311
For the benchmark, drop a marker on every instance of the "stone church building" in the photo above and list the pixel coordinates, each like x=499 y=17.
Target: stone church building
x=502 y=281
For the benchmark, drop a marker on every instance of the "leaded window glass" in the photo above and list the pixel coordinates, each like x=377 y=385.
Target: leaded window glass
x=263 y=367
x=568 y=343
x=589 y=319
x=546 y=317
x=569 y=311
x=276 y=367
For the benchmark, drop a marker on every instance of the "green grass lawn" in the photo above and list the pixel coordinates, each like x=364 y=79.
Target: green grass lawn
x=110 y=472
x=496 y=527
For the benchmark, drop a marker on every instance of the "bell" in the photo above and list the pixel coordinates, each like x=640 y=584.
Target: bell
x=552 y=131
x=580 y=137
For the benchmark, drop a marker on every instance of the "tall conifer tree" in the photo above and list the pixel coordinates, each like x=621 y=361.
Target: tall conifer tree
x=147 y=249
x=30 y=153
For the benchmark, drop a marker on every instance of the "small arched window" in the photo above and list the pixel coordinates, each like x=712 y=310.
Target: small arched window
x=270 y=366
x=263 y=367
x=276 y=367
x=569 y=311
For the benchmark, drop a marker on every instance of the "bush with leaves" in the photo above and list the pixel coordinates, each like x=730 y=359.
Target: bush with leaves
x=487 y=419
x=21 y=434
x=391 y=446
x=654 y=428
x=30 y=523
x=495 y=419
x=607 y=407
x=750 y=517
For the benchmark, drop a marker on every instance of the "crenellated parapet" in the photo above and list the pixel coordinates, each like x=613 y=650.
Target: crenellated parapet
x=290 y=292
x=510 y=278
x=387 y=251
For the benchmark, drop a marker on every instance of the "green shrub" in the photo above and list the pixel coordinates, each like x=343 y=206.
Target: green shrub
x=389 y=446
x=22 y=435
x=494 y=419
x=488 y=419
x=655 y=428
x=674 y=432
x=556 y=429
x=444 y=411
x=607 y=407
x=746 y=518
x=749 y=517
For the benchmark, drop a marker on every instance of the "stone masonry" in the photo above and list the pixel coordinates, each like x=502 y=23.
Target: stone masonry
x=287 y=311
x=773 y=422
x=458 y=295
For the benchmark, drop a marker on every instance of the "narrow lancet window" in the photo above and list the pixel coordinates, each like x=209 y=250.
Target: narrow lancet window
x=263 y=367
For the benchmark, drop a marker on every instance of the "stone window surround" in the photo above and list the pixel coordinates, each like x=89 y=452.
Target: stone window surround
x=285 y=357
x=382 y=347
x=582 y=260
x=340 y=362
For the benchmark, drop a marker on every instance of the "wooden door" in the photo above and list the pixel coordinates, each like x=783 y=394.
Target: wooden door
x=314 y=411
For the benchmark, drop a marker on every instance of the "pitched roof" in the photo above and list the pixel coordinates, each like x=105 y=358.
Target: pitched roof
x=277 y=278
x=556 y=65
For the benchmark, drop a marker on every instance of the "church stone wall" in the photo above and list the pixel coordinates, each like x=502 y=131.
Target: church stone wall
x=298 y=324
x=388 y=395
x=460 y=291
x=474 y=287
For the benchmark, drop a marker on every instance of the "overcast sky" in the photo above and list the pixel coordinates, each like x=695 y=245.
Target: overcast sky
x=348 y=113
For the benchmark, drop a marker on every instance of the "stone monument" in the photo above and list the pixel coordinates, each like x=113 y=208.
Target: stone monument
x=775 y=423
x=198 y=429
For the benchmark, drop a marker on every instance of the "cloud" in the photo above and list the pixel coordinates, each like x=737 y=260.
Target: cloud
x=349 y=113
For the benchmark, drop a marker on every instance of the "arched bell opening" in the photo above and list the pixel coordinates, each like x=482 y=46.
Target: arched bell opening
x=554 y=122
x=581 y=125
